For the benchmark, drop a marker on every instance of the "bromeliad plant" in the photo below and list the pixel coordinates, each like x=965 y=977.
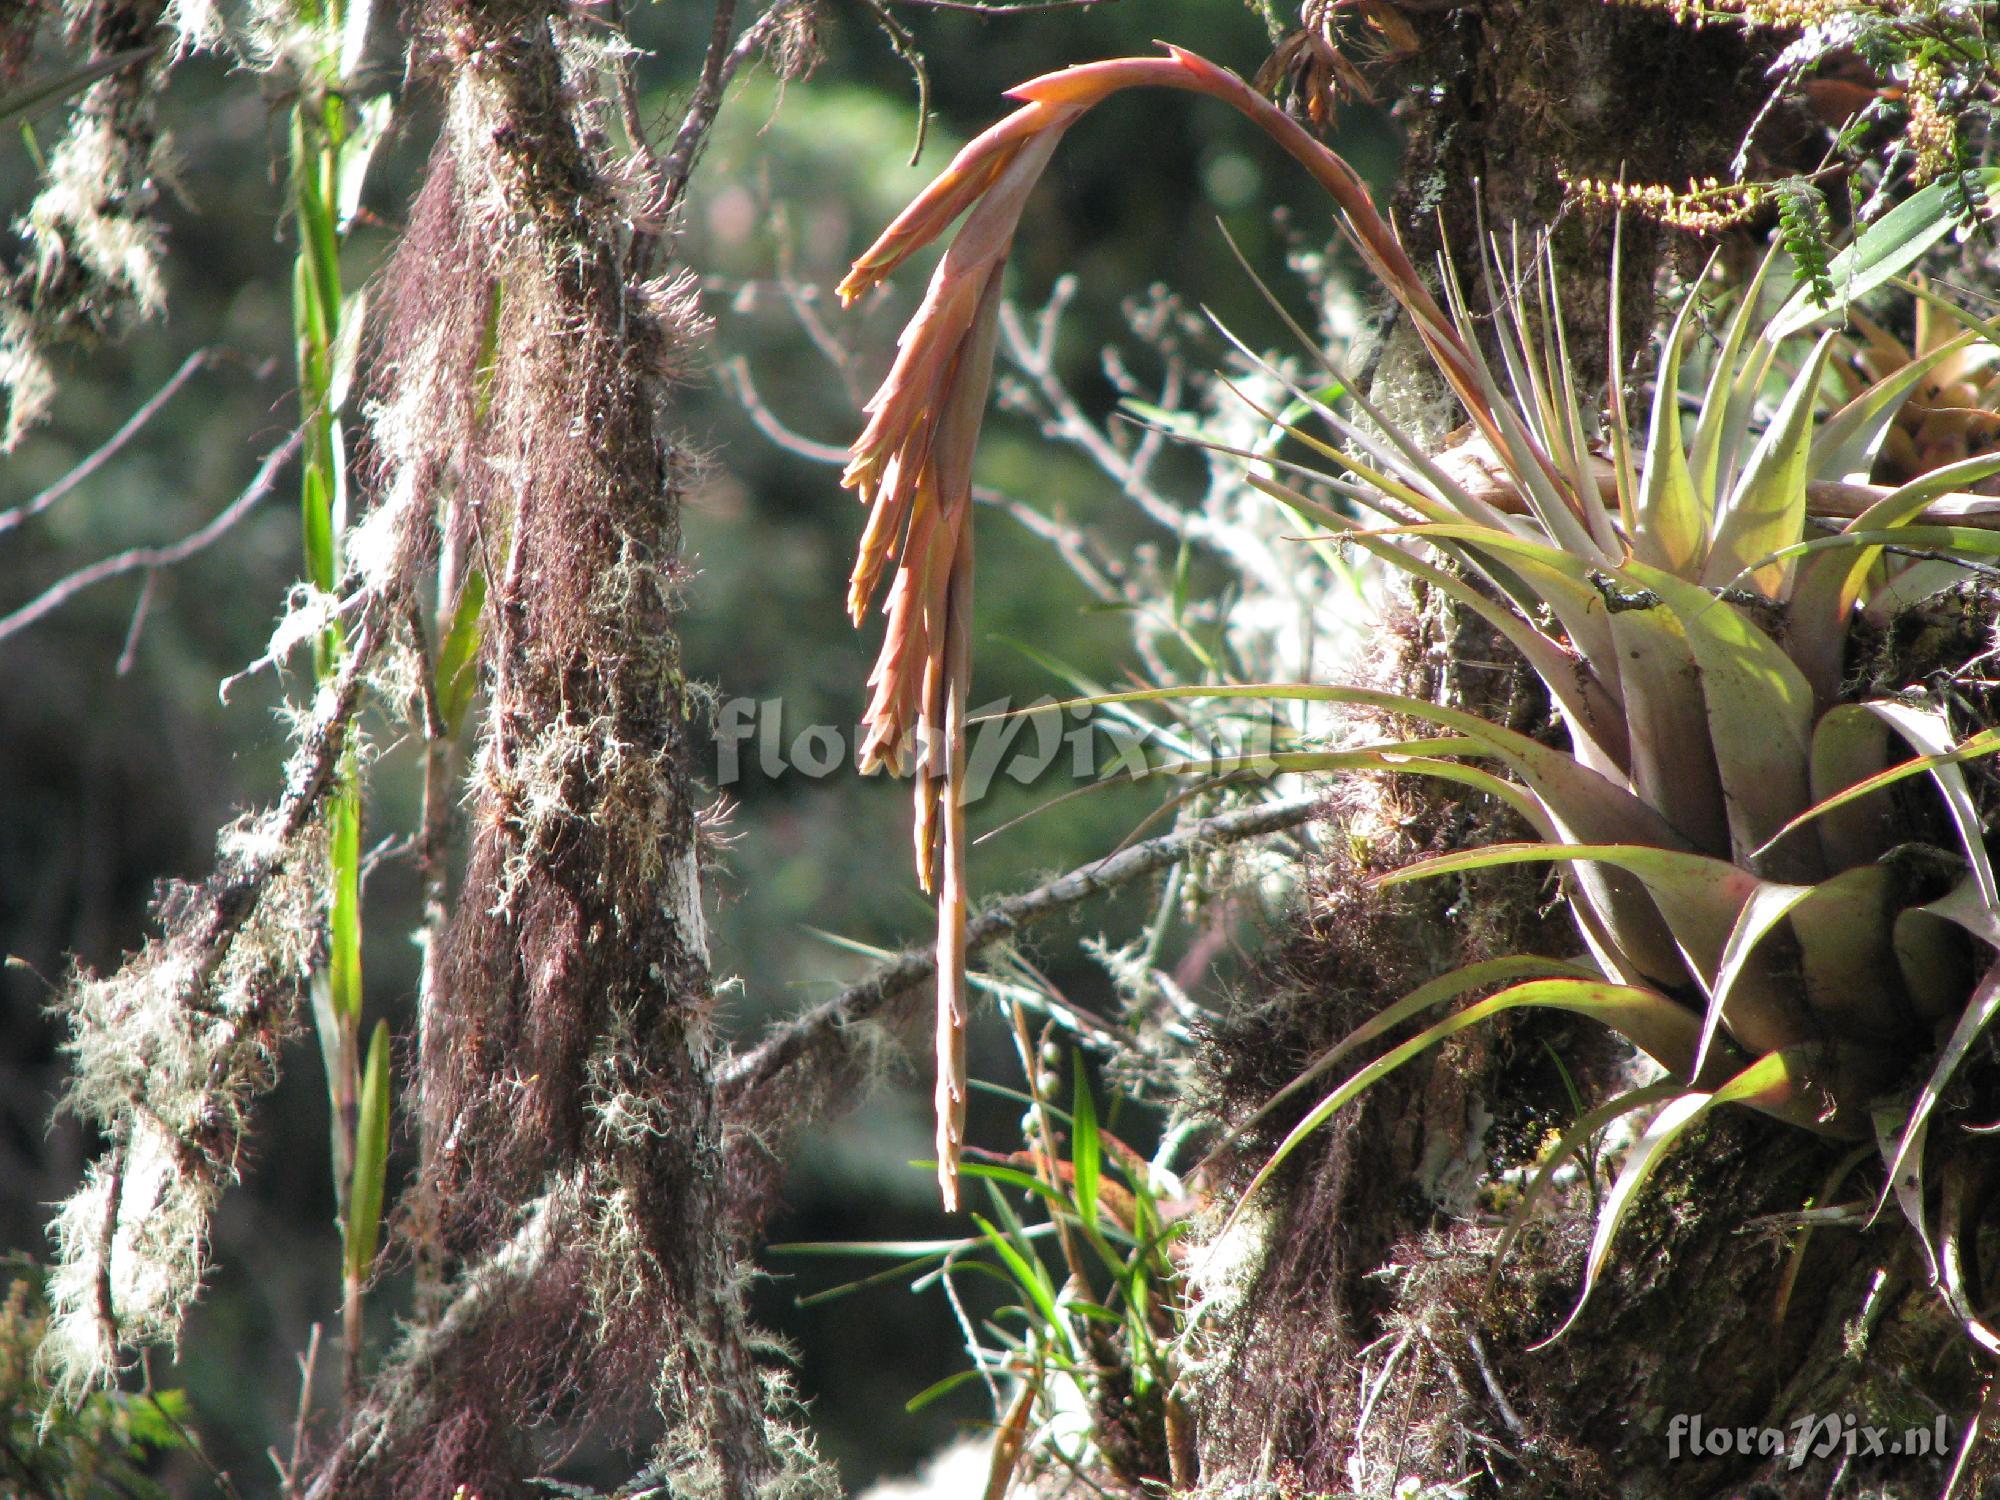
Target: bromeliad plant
x=1771 y=905
x=912 y=464
x=1761 y=914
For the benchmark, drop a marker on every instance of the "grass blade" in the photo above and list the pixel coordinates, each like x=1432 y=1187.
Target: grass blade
x=371 y=1157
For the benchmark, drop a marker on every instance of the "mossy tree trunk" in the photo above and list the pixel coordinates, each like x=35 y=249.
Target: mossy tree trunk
x=1361 y=1343
x=575 y=1177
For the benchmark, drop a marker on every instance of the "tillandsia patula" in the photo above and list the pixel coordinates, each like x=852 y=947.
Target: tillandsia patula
x=1759 y=911
x=912 y=464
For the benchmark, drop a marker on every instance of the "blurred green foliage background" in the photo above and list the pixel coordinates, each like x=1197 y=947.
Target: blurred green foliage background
x=118 y=760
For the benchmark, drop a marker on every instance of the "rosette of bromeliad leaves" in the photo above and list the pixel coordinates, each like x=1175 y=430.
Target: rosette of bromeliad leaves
x=1782 y=883
x=1764 y=916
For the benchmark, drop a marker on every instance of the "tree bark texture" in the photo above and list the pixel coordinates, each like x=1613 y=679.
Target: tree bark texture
x=1358 y=1340
x=575 y=1168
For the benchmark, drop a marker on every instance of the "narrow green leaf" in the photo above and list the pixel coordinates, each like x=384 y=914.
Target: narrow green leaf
x=1717 y=432
x=371 y=1158
x=1670 y=768
x=1445 y=987
x=1760 y=709
x=1086 y=1150
x=1658 y=1025
x=1907 y=1159
x=1583 y=801
x=1768 y=905
x=1766 y=510
x=1974 y=747
x=1718 y=913
x=371 y=122
x=939 y=1388
x=897 y=1272
x=1586 y=807
x=1830 y=583
x=344 y=918
x=1571 y=1141
x=1587 y=701
x=1966 y=541
x=918 y=1248
x=48 y=91
x=1029 y=1274
x=1886 y=248
x=1013 y=1177
x=1847 y=442
x=457 y=662
x=1702 y=896
x=1671 y=528
x=316 y=517
x=1769 y=1078
x=1929 y=732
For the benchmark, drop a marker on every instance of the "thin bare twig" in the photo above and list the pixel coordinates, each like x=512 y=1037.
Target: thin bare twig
x=1065 y=421
x=629 y=113
x=107 y=1234
x=717 y=69
x=130 y=653
x=794 y=1043
x=108 y=449
x=701 y=110
x=800 y=298
x=190 y=1442
x=153 y=558
x=904 y=45
x=735 y=375
x=1492 y=1382
x=289 y=1473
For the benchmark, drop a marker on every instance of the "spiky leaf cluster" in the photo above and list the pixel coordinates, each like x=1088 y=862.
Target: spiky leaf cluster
x=1773 y=906
x=1763 y=910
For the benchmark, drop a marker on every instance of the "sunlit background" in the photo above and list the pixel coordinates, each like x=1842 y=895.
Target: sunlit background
x=119 y=758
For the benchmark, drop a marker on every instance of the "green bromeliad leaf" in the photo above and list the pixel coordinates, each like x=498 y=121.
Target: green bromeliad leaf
x=1781 y=1082
x=1766 y=510
x=1762 y=924
x=1651 y=1021
x=1886 y=248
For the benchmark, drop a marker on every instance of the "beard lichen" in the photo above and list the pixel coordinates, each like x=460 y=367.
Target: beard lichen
x=522 y=398
x=166 y=1056
x=91 y=246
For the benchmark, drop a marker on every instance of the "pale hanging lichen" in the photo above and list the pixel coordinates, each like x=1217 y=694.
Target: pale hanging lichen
x=166 y=1055
x=90 y=246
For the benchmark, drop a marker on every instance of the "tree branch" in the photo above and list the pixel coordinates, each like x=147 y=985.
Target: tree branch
x=152 y=558
x=105 y=451
x=821 y=1040
x=717 y=69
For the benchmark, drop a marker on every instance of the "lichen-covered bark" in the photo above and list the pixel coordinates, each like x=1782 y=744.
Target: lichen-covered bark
x=1505 y=98
x=574 y=1164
